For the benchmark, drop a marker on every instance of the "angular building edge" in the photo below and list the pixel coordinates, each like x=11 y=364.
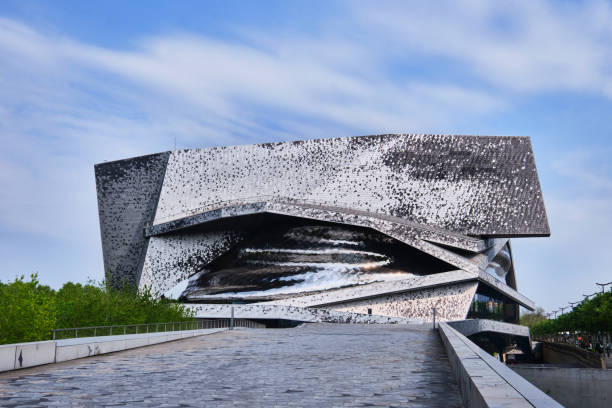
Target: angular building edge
x=125 y=209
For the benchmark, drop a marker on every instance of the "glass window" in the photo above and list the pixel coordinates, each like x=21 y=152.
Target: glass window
x=486 y=307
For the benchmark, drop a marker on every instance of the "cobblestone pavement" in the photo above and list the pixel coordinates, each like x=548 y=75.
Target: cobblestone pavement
x=315 y=365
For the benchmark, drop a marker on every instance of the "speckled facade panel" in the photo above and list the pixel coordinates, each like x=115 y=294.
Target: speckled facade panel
x=485 y=186
x=128 y=191
x=310 y=315
x=174 y=258
x=451 y=303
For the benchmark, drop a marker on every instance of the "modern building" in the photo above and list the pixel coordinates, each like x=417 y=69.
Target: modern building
x=388 y=225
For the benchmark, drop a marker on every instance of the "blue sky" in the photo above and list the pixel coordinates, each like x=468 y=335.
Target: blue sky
x=84 y=82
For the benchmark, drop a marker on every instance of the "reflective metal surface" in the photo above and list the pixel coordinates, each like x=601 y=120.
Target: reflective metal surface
x=295 y=259
x=500 y=265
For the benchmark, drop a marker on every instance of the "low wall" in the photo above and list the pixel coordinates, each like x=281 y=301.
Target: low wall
x=555 y=353
x=483 y=380
x=573 y=387
x=23 y=355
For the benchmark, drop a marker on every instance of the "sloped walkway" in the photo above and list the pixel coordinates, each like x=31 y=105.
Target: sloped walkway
x=315 y=365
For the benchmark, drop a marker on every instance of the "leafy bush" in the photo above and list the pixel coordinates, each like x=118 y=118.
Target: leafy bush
x=29 y=311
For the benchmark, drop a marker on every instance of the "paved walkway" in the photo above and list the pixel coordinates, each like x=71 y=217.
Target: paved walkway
x=316 y=365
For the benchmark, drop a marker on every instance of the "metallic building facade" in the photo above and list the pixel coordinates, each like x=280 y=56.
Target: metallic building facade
x=389 y=225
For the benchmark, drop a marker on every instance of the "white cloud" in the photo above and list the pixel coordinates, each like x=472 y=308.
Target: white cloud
x=217 y=79
x=517 y=45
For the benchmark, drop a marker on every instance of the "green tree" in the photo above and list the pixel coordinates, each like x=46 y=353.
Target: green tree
x=27 y=310
x=98 y=304
x=30 y=311
x=591 y=317
x=532 y=318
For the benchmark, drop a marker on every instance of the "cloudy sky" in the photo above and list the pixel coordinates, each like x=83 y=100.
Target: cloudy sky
x=83 y=82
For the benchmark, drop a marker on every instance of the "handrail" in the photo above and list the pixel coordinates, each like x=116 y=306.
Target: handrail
x=198 y=324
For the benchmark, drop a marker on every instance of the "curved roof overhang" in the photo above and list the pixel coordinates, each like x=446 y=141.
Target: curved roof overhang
x=418 y=236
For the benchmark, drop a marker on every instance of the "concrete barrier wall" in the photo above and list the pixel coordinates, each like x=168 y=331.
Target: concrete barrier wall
x=554 y=353
x=33 y=354
x=573 y=387
x=483 y=380
x=7 y=357
x=23 y=355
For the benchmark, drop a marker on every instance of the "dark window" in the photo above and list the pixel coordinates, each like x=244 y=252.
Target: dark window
x=486 y=307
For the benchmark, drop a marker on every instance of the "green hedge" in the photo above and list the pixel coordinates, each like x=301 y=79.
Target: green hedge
x=30 y=311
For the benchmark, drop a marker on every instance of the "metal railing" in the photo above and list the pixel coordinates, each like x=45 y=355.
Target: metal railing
x=199 y=324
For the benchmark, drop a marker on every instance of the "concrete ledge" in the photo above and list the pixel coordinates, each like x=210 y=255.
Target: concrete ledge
x=33 y=354
x=483 y=380
x=468 y=327
x=7 y=357
x=16 y=356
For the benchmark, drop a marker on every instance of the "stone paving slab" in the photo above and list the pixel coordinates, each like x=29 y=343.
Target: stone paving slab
x=314 y=365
